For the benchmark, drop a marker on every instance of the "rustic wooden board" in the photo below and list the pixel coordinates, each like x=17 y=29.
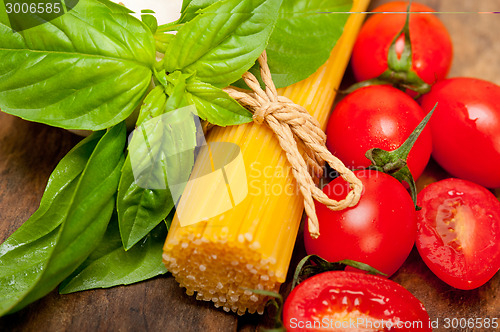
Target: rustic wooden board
x=29 y=152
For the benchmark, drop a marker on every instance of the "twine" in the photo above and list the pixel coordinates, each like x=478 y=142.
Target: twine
x=291 y=123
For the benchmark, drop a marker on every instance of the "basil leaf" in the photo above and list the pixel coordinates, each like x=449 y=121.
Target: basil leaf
x=87 y=69
x=77 y=211
x=27 y=249
x=110 y=265
x=215 y=105
x=212 y=104
x=190 y=9
x=4 y=17
x=149 y=20
x=153 y=105
x=163 y=146
x=305 y=33
x=186 y=3
x=139 y=209
x=162 y=40
x=161 y=151
x=112 y=6
x=176 y=90
x=302 y=40
x=223 y=41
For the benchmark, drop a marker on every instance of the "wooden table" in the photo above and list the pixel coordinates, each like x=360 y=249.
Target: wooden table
x=29 y=152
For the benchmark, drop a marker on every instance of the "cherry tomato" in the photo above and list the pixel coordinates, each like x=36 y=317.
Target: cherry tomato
x=377 y=116
x=459 y=232
x=379 y=231
x=352 y=301
x=466 y=128
x=431 y=43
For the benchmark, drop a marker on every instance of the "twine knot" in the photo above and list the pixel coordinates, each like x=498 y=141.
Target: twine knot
x=291 y=123
x=262 y=112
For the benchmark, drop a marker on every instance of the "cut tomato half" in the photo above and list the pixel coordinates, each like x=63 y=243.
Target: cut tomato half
x=459 y=232
x=353 y=301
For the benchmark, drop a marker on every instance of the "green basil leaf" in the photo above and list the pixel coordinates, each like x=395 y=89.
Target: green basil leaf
x=215 y=105
x=176 y=90
x=161 y=151
x=79 y=213
x=191 y=8
x=162 y=40
x=149 y=20
x=302 y=40
x=185 y=4
x=212 y=104
x=27 y=249
x=139 y=209
x=4 y=18
x=87 y=69
x=224 y=40
x=153 y=105
x=112 y=6
x=110 y=265
x=305 y=33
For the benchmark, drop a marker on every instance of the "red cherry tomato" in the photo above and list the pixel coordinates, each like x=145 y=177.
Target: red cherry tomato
x=377 y=116
x=379 y=231
x=466 y=128
x=459 y=232
x=352 y=301
x=431 y=43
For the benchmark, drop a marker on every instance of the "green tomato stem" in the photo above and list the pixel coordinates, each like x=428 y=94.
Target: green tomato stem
x=399 y=71
x=394 y=162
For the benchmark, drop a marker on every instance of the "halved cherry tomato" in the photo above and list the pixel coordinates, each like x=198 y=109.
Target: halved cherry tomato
x=431 y=43
x=459 y=232
x=352 y=301
x=466 y=128
x=378 y=116
x=379 y=231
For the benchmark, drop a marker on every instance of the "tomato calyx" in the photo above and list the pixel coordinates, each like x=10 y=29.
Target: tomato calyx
x=314 y=264
x=395 y=163
x=275 y=301
x=399 y=72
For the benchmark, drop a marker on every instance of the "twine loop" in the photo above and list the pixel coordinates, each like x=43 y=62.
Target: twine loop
x=294 y=126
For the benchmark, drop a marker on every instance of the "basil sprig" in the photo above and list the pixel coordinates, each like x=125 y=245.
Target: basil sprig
x=73 y=216
x=214 y=49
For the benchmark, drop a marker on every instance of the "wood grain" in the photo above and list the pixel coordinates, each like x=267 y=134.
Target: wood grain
x=29 y=152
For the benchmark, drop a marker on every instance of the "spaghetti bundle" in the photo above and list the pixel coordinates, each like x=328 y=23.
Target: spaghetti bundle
x=249 y=246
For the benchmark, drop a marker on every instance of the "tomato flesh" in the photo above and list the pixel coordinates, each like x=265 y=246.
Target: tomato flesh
x=431 y=43
x=352 y=301
x=377 y=117
x=459 y=232
x=379 y=231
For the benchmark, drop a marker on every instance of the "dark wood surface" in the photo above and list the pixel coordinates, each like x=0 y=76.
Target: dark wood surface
x=29 y=152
